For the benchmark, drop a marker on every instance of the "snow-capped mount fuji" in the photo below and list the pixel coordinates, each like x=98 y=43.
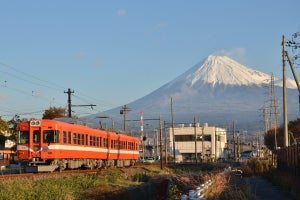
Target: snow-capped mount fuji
x=218 y=90
x=223 y=70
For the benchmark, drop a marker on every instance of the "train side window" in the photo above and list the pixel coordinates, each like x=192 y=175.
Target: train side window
x=87 y=139
x=56 y=136
x=100 y=141
x=36 y=136
x=91 y=140
x=74 y=138
x=69 y=137
x=105 y=142
x=51 y=136
x=78 y=138
x=24 y=136
x=82 y=139
x=65 y=137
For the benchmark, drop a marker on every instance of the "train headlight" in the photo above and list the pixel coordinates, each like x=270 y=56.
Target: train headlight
x=35 y=123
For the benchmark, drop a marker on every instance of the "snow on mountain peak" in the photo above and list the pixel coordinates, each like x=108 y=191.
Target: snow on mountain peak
x=223 y=70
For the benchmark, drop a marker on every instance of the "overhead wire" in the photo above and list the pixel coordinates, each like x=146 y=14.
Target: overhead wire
x=39 y=82
x=49 y=83
x=32 y=76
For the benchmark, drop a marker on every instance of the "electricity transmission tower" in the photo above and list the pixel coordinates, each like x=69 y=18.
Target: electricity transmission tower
x=273 y=110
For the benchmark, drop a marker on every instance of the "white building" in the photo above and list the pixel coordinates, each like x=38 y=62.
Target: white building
x=211 y=147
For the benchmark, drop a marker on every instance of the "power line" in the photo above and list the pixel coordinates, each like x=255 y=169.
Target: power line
x=39 y=82
x=51 y=84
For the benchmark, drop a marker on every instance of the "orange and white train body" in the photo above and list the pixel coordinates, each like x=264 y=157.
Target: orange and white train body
x=60 y=145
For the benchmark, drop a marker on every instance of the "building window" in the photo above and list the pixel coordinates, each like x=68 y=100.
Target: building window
x=189 y=138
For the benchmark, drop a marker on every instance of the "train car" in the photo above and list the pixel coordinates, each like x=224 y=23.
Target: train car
x=48 y=145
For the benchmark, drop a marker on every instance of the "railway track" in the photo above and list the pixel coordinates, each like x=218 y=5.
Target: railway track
x=26 y=175
x=8 y=175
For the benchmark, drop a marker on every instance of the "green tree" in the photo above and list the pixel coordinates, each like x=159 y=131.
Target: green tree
x=4 y=128
x=13 y=127
x=54 y=112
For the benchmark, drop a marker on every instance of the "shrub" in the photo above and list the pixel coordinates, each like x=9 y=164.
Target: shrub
x=254 y=167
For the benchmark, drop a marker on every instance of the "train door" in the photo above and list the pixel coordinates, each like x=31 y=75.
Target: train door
x=36 y=142
x=35 y=138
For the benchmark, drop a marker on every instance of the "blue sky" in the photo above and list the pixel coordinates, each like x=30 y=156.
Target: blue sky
x=114 y=52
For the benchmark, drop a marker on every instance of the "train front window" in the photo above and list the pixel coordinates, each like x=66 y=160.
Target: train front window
x=24 y=136
x=36 y=136
x=51 y=136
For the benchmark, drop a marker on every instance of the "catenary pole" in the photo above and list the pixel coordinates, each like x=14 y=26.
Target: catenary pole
x=285 y=118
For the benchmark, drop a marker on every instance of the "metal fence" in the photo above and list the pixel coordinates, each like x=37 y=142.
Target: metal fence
x=288 y=159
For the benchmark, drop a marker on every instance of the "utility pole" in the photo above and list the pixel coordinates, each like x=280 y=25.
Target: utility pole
x=285 y=119
x=123 y=112
x=142 y=133
x=156 y=141
x=172 y=113
x=165 y=127
x=202 y=153
x=160 y=142
x=285 y=53
x=195 y=132
x=69 y=92
x=234 y=153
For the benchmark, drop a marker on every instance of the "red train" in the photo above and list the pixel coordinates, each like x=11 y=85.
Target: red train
x=46 y=145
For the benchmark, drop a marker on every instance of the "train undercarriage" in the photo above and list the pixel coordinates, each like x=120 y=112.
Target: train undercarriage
x=36 y=165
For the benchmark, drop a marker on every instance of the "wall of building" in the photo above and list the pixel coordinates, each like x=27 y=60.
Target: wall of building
x=213 y=145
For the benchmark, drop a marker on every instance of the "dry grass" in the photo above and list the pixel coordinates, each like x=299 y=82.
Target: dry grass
x=124 y=182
